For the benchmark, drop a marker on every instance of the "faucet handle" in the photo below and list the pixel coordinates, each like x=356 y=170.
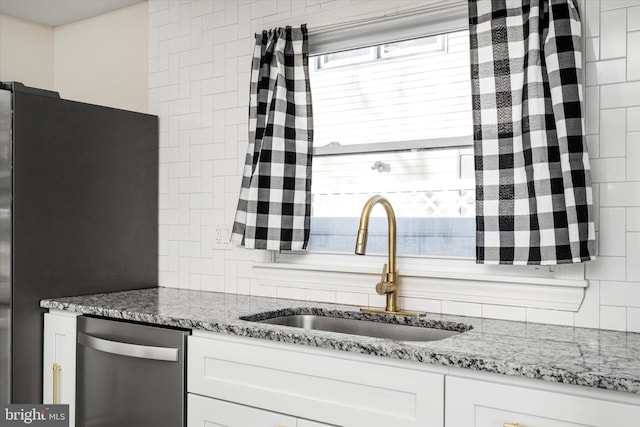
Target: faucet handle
x=386 y=284
x=385 y=270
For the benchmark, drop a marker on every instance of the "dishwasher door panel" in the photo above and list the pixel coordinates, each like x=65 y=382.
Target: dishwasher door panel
x=129 y=375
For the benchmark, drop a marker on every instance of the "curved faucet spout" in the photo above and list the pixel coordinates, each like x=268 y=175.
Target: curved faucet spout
x=389 y=282
x=363 y=230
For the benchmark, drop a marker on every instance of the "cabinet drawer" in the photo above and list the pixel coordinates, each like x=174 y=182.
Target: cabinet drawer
x=314 y=384
x=478 y=403
x=203 y=411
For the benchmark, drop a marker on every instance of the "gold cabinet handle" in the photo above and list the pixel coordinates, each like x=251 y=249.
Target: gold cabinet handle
x=511 y=425
x=56 y=382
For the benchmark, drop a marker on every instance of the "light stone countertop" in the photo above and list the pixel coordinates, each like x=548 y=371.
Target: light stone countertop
x=586 y=357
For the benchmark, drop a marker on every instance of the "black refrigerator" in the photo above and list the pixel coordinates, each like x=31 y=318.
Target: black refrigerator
x=78 y=215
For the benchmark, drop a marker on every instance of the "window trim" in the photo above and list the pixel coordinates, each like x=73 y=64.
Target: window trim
x=450 y=142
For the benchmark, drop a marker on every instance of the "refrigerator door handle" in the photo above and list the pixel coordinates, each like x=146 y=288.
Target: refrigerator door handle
x=167 y=354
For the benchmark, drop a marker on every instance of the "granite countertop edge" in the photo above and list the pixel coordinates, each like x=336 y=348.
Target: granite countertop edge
x=476 y=350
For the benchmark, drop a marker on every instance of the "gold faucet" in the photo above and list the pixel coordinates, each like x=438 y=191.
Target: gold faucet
x=388 y=284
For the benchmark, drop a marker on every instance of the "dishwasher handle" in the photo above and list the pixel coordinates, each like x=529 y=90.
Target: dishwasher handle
x=167 y=354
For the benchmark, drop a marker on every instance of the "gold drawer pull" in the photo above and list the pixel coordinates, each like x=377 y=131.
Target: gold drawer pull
x=56 y=382
x=511 y=425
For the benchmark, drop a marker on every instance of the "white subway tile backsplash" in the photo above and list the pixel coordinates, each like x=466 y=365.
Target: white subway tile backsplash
x=633 y=319
x=158 y=79
x=633 y=56
x=633 y=156
x=620 y=293
x=201 y=7
x=608 y=170
x=320 y=295
x=462 y=308
x=620 y=194
x=264 y=8
x=376 y=300
x=633 y=18
x=588 y=316
x=613 y=33
x=593 y=146
x=592 y=110
x=617 y=4
x=262 y=291
x=633 y=219
x=284 y=6
x=606 y=268
x=592 y=18
x=592 y=49
x=159 y=18
x=605 y=72
x=620 y=95
x=612 y=232
x=633 y=119
x=502 y=312
x=613 y=318
x=422 y=304
x=213 y=283
x=613 y=134
x=244 y=286
x=155 y=6
x=596 y=205
x=633 y=257
x=554 y=317
x=352 y=298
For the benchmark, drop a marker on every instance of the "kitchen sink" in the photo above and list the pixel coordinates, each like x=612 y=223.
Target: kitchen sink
x=367 y=328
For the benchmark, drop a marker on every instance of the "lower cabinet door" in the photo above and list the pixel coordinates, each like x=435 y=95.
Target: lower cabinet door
x=59 y=361
x=204 y=411
x=310 y=384
x=477 y=403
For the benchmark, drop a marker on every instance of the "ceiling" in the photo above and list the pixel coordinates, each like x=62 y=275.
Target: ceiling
x=59 y=12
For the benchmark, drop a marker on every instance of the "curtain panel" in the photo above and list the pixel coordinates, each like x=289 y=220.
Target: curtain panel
x=274 y=207
x=533 y=185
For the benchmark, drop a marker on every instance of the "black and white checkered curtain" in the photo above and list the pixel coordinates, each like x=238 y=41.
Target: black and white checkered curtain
x=533 y=185
x=275 y=198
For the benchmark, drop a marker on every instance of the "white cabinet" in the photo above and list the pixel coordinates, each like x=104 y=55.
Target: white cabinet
x=59 y=360
x=484 y=403
x=327 y=386
x=204 y=411
x=239 y=382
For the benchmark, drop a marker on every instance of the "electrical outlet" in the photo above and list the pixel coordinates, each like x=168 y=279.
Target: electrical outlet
x=221 y=237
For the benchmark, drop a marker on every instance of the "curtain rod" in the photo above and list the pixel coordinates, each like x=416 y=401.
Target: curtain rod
x=437 y=6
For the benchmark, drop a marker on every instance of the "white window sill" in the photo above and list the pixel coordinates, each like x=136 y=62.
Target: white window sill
x=555 y=293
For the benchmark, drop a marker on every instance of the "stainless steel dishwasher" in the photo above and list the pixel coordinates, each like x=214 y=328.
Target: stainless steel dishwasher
x=129 y=374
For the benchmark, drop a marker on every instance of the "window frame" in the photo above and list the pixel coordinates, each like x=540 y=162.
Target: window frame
x=559 y=287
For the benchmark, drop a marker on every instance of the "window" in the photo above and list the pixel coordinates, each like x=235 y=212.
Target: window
x=385 y=125
x=395 y=119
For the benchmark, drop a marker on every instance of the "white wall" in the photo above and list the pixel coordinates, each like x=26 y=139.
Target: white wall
x=26 y=52
x=199 y=54
x=101 y=60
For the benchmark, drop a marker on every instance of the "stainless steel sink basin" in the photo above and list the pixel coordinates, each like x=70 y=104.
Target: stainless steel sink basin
x=361 y=327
